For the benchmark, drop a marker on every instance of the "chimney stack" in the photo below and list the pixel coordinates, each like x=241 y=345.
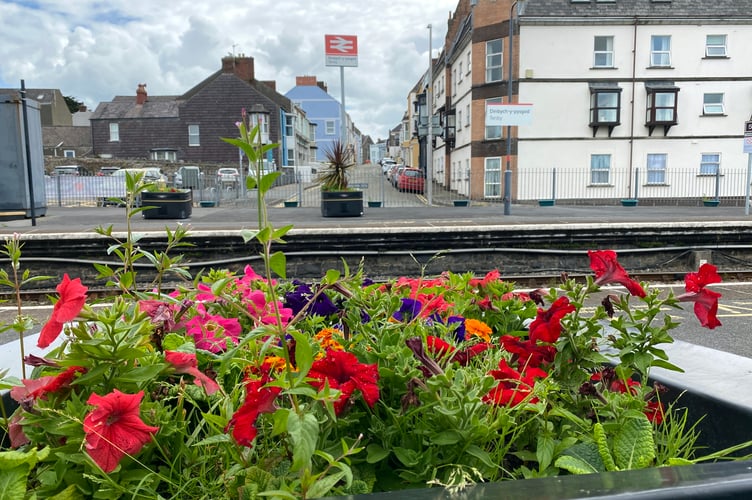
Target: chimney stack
x=305 y=81
x=141 y=94
x=241 y=66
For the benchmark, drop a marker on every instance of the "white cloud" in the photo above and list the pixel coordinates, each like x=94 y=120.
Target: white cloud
x=95 y=50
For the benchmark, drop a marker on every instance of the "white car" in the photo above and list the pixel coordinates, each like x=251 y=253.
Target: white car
x=228 y=177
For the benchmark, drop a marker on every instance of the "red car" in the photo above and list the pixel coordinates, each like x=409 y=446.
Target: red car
x=412 y=180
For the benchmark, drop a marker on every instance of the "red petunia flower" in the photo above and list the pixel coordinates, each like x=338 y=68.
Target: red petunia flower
x=607 y=270
x=514 y=387
x=184 y=362
x=72 y=299
x=258 y=400
x=344 y=372
x=527 y=352
x=115 y=429
x=655 y=412
x=706 y=301
x=546 y=327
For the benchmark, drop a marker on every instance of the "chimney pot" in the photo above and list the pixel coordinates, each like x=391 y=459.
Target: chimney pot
x=141 y=94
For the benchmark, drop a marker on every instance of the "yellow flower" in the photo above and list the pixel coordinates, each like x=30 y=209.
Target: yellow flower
x=324 y=338
x=478 y=328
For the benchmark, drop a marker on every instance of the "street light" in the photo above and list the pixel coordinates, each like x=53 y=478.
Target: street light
x=520 y=4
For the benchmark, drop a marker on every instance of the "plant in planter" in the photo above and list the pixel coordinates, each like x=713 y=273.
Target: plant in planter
x=337 y=198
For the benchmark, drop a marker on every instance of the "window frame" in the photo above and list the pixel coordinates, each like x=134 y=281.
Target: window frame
x=492 y=100
x=705 y=163
x=330 y=127
x=656 y=171
x=194 y=135
x=709 y=46
x=663 y=52
x=720 y=106
x=492 y=177
x=652 y=109
x=609 y=52
x=595 y=107
x=600 y=171
x=114 y=132
x=491 y=57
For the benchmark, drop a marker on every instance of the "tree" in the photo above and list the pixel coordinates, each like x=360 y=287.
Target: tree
x=73 y=103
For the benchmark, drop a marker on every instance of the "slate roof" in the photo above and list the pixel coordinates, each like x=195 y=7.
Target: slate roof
x=643 y=8
x=42 y=96
x=268 y=92
x=124 y=107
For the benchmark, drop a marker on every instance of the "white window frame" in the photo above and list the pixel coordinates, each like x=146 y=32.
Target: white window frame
x=163 y=155
x=330 y=128
x=608 y=52
x=712 y=103
x=114 y=132
x=492 y=177
x=459 y=119
x=469 y=62
x=656 y=164
x=194 y=135
x=600 y=175
x=69 y=153
x=710 y=163
x=460 y=72
x=467 y=115
x=494 y=60
x=715 y=48
x=493 y=131
x=660 y=58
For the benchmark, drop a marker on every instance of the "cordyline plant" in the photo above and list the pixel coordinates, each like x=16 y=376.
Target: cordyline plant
x=245 y=385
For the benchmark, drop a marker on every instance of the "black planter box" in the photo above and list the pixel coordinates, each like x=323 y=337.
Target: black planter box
x=167 y=205
x=342 y=203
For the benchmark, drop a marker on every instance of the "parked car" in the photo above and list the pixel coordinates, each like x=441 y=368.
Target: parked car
x=396 y=173
x=411 y=180
x=391 y=173
x=188 y=176
x=107 y=171
x=228 y=177
x=151 y=174
x=67 y=170
x=386 y=164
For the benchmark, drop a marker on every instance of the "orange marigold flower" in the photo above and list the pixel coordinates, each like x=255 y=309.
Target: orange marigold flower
x=326 y=340
x=478 y=328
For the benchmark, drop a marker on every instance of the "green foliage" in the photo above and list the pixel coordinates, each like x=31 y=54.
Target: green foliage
x=339 y=160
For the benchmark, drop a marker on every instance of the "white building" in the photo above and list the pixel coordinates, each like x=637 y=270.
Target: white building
x=633 y=98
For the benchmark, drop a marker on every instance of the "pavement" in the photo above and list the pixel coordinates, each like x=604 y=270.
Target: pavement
x=77 y=220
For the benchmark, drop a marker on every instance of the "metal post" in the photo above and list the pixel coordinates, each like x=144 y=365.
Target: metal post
x=510 y=86
x=717 y=184
x=636 y=182
x=29 y=175
x=429 y=109
x=343 y=125
x=553 y=185
x=242 y=173
x=749 y=179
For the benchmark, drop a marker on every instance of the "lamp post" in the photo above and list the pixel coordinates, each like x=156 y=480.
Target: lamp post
x=429 y=104
x=510 y=90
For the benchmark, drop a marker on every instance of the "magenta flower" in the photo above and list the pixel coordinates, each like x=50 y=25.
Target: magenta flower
x=187 y=363
x=212 y=332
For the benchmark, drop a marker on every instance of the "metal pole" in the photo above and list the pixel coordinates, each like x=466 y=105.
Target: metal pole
x=749 y=179
x=30 y=178
x=242 y=172
x=510 y=86
x=343 y=126
x=429 y=143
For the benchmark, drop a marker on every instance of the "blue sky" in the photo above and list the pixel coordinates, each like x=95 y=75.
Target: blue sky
x=94 y=50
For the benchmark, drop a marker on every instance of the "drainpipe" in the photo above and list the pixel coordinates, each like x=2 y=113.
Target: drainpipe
x=632 y=112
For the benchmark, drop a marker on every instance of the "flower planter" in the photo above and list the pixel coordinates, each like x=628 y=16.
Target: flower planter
x=374 y=204
x=291 y=204
x=546 y=203
x=168 y=204
x=629 y=202
x=207 y=204
x=461 y=203
x=341 y=203
x=711 y=203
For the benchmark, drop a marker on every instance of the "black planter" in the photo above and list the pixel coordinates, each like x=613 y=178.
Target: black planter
x=167 y=205
x=341 y=203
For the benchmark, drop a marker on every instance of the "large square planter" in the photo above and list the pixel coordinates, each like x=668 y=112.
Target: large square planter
x=711 y=203
x=168 y=204
x=341 y=203
x=629 y=202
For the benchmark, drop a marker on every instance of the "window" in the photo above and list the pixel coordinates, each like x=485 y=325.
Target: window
x=460 y=72
x=494 y=131
x=467 y=115
x=710 y=163
x=600 y=168
x=605 y=104
x=289 y=125
x=468 y=62
x=459 y=120
x=657 y=168
x=193 y=135
x=290 y=157
x=660 y=50
x=114 y=132
x=715 y=46
x=69 y=153
x=712 y=104
x=454 y=82
x=262 y=120
x=492 y=178
x=163 y=154
x=329 y=124
x=603 y=52
x=661 y=106
x=493 y=60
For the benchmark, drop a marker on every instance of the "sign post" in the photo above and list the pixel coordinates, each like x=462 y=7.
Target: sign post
x=748 y=150
x=341 y=50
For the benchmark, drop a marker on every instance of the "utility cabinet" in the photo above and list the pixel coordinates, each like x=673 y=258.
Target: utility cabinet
x=15 y=195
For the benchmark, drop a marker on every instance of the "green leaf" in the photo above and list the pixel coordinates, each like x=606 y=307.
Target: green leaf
x=69 y=493
x=633 y=444
x=375 y=453
x=331 y=277
x=267 y=181
x=544 y=451
x=303 y=352
x=304 y=433
x=448 y=437
x=409 y=458
x=248 y=234
x=322 y=486
x=582 y=458
x=667 y=366
x=602 y=442
x=14 y=471
x=278 y=264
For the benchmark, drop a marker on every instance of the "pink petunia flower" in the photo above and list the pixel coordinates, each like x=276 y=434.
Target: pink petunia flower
x=187 y=363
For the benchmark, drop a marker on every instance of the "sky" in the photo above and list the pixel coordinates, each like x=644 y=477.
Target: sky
x=94 y=50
